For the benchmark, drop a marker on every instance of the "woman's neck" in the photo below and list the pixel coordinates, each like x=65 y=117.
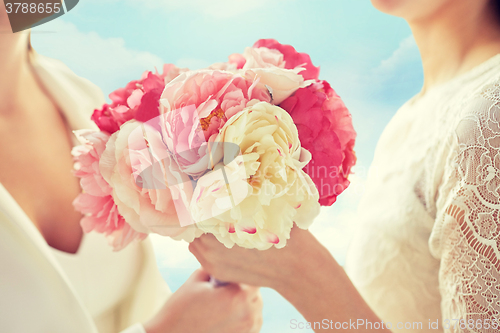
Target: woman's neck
x=454 y=41
x=17 y=76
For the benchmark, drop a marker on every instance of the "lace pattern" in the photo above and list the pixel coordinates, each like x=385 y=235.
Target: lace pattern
x=466 y=236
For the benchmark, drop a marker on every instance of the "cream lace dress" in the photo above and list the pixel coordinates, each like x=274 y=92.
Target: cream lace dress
x=428 y=246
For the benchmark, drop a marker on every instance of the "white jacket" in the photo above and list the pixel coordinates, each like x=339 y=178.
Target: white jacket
x=35 y=293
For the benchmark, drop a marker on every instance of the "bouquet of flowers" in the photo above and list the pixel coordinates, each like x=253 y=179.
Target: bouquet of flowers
x=241 y=149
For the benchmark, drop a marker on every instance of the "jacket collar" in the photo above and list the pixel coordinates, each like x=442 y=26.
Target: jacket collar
x=76 y=98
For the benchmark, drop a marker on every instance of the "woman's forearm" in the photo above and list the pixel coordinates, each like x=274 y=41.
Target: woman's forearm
x=322 y=292
x=303 y=272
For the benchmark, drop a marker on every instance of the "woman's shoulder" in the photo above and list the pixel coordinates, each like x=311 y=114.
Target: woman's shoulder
x=476 y=110
x=76 y=96
x=55 y=70
x=470 y=124
x=479 y=92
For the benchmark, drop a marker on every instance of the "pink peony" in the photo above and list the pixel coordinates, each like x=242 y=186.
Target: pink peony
x=96 y=203
x=196 y=105
x=326 y=130
x=101 y=215
x=138 y=100
x=217 y=96
x=280 y=82
x=148 y=188
x=87 y=162
x=183 y=134
x=106 y=119
x=237 y=59
x=262 y=57
x=291 y=57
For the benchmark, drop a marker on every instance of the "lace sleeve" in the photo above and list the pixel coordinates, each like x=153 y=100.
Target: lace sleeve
x=467 y=229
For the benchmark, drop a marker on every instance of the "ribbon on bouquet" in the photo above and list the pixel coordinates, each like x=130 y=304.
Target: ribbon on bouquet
x=217 y=283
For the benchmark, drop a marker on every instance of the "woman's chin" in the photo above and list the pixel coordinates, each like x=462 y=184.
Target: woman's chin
x=410 y=10
x=388 y=6
x=399 y=8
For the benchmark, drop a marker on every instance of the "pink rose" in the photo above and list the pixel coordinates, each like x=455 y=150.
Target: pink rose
x=326 y=130
x=291 y=57
x=138 y=100
x=96 y=203
x=148 y=188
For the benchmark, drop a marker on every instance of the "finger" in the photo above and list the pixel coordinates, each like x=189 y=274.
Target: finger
x=194 y=245
x=232 y=289
x=195 y=250
x=205 y=264
x=258 y=302
x=258 y=325
x=253 y=293
x=204 y=253
x=250 y=289
x=208 y=240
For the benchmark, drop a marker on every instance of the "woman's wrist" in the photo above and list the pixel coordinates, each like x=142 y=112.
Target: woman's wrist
x=306 y=261
x=318 y=287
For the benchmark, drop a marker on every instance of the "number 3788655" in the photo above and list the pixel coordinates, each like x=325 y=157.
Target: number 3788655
x=471 y=323
x=32 y=8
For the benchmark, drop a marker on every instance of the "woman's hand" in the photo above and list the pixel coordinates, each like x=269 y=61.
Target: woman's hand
x=270 y=268
x=303 y=272
x=198 y=306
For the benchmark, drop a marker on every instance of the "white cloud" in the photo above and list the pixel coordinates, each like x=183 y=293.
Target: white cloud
x=399 y=76
x=390 y=83
x=105 y=61
x=406 y=53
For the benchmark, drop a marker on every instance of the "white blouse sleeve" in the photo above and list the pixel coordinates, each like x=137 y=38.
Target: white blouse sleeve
x=466 y=234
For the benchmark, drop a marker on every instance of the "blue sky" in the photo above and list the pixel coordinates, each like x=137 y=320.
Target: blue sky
x=369 y=58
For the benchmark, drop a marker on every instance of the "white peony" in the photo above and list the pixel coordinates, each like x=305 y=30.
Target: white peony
x=263 y=190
